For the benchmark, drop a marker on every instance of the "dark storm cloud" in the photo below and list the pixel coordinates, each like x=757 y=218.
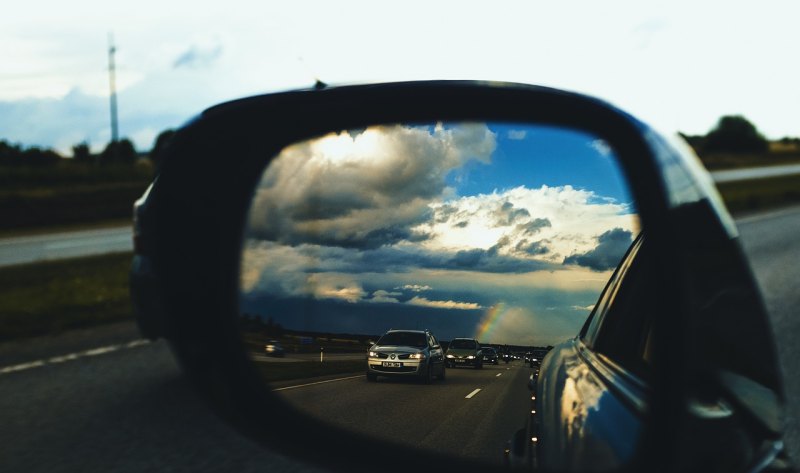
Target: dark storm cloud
x=610 y=249
x=393 y=259
x=532 y=248
x=363 y=191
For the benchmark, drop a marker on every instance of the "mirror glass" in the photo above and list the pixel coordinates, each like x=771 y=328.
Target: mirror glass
x=377 y=261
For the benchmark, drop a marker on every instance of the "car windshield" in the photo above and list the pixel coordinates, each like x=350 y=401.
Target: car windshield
x=406 y=339
x=462 y=344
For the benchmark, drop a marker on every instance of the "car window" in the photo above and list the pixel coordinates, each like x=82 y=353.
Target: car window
x=624 y=331
x=590 y=328
x=462 y=344
x=409 y=339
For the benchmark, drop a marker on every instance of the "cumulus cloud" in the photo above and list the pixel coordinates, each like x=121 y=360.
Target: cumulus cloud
x=601 y=146
x=385 y=297
x=362 y=190
x=524 y=224
x=423 y=302
x=611 y=247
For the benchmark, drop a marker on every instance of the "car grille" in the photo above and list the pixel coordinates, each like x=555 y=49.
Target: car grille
x=382 y=355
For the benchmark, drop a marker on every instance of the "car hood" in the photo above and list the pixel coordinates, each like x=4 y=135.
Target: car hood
x=395 y=349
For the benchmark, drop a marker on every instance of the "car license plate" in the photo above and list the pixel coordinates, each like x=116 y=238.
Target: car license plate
x=392 y=364
x=459 y=361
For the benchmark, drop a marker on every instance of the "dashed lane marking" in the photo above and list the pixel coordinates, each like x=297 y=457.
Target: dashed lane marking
x=469 y=396
x=318 y=382
x=71 y=356
x=498 y=374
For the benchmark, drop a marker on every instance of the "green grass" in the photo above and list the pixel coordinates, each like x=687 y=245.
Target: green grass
x=45 y=298
x=308 y=369
x=759 y=194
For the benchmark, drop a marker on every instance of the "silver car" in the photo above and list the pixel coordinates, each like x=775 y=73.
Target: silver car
x=406 y=353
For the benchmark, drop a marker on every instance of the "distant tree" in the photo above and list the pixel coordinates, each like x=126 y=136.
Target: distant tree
x=697 y=142
x=735 y=134
x=81 y=153
x=160 y=144
x=120 y=152
x=40 y=156
x=9 y=153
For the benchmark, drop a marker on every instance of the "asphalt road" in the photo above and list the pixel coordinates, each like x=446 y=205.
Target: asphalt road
x=98 y=400
x=29 y=249
x=772 y=243
x=472 y=414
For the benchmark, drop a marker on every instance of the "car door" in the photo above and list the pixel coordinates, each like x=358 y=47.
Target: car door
x=591 y=392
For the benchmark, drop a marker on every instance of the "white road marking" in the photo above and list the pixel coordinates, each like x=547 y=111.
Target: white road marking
x=469 y=396
x=101 y=350
x=318 y=382
x=71 y=356
x=22 y=366
x=499 y=374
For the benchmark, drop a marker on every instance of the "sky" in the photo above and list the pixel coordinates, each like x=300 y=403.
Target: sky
x=503 y=232
x=678 y=64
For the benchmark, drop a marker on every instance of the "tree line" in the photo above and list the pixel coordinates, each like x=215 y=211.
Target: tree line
x=733 y=134
x=119 y=152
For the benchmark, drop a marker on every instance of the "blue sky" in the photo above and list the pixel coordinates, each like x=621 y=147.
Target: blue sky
x=440 y=227
x=677 y=64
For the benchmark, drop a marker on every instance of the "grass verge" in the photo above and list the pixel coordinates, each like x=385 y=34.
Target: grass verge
x=308 y=369
x=759 y=194
x=45 y=298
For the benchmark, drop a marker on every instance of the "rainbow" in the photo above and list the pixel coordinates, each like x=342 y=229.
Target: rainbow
x=489 y=321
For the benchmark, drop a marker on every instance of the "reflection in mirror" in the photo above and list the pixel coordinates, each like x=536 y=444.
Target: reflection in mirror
x=380 y=264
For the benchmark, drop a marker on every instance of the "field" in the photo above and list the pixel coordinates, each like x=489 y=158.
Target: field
x=69 y=193
x=45 y=298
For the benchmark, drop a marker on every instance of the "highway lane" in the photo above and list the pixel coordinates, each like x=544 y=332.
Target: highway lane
x=29 y=249
x=772 y=243
x=472 y=413
x=129 y=409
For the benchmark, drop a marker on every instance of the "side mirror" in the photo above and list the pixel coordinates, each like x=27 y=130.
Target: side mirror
x=515 y=215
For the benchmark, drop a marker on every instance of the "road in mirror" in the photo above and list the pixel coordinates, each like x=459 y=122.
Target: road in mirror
x=378 y=261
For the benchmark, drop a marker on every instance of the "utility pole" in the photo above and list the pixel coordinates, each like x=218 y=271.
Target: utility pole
x=112 y=82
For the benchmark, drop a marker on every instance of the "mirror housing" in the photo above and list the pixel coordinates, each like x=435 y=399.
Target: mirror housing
x=198 y=208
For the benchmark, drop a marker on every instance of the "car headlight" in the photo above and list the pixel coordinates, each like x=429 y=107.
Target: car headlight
x=373 y=354
x=417 y=356
x=471 y=357
x=450 y=356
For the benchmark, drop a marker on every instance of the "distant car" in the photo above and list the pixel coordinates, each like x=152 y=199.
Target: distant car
x=274 y=348
x=490 y=355
x=464 y=352
x=406 y=353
